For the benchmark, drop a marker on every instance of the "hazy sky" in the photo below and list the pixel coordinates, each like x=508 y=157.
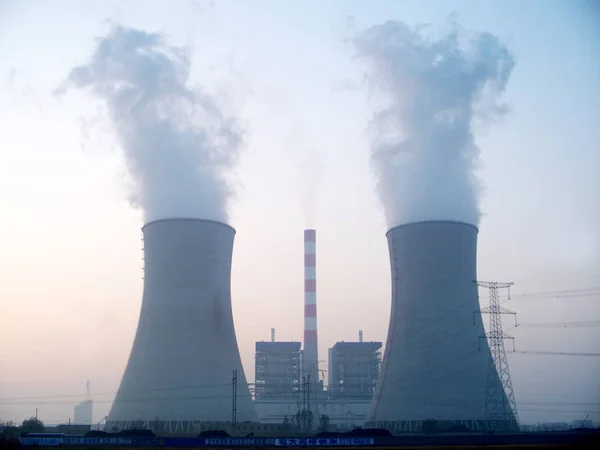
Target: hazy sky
x=70 y=248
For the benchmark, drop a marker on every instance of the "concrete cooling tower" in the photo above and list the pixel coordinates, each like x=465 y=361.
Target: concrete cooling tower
x=435 y=365
x=185 y=349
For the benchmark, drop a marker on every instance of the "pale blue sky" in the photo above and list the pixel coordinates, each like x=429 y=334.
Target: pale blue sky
x=70 y=253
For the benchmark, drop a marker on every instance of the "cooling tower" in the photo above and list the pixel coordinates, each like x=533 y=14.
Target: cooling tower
x=185 y=350
x=435 y=365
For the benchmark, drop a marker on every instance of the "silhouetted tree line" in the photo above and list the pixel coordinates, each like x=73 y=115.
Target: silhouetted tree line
x=9 y=438
x=31 y=425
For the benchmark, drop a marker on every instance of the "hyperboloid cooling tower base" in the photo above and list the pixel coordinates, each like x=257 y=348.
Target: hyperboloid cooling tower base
x=435 y=366
x=185 y=349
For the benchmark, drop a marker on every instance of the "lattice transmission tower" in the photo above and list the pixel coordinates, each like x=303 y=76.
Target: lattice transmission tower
x=500 y=401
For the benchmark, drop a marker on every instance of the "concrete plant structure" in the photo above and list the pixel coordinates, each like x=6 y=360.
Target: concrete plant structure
x=353 y=370
x=436 y=363
x=180 y=368
x=278 y=371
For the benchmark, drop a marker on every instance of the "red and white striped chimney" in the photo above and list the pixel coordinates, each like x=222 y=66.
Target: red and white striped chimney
x=311 y=353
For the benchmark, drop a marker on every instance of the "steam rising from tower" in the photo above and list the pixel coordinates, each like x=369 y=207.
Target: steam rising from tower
x=424 y=156
x=430 y=91
x=178 y=146
x=311 y=356
x=177 y=141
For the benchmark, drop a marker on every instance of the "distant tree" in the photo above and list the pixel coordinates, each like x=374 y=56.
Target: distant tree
x=430 y=426
x=324 y=423
x=32 y=425
x=9 y=430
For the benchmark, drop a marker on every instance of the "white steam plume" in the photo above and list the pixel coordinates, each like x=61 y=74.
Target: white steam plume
x=178 y=144
x=432 y=89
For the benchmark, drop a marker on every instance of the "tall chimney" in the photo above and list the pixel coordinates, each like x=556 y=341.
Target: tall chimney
x=311 y=356
x=272 y=334
x=360 y=336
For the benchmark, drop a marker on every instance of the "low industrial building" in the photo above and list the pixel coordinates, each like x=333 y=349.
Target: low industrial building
x=83 y=414
x=354 y=370
x=278 y=370
x=284 y=394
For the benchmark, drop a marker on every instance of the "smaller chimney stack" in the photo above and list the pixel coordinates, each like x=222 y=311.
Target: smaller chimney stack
x=272 y=334
x=360 y=337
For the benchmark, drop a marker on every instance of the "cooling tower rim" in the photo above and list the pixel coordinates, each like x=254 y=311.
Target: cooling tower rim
x=422 y=222
x=189 y=219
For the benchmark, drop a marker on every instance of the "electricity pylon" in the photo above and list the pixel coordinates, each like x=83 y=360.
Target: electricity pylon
x=500 y=401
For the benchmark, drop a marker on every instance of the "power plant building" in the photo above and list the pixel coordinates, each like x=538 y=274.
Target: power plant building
x=354 y=369
x=185 y=349
x=83 y=413
x=436 y=364
x=282 y=391
x=278 y=370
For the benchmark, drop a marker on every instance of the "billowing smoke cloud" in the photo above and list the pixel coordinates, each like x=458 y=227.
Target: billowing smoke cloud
x=431 y=90
x=177 y=142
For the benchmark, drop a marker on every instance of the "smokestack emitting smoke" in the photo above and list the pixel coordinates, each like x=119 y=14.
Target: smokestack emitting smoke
x=177 y=142
x=423 y=151
x=311 y=355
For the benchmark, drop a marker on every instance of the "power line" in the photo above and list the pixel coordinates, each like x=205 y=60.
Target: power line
x=563 y=291
x=587 y=292
x=459 y=400
x=181 y=388
x=558 y=297
x=140 y=400
x=579 y=324
x=541 y=352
